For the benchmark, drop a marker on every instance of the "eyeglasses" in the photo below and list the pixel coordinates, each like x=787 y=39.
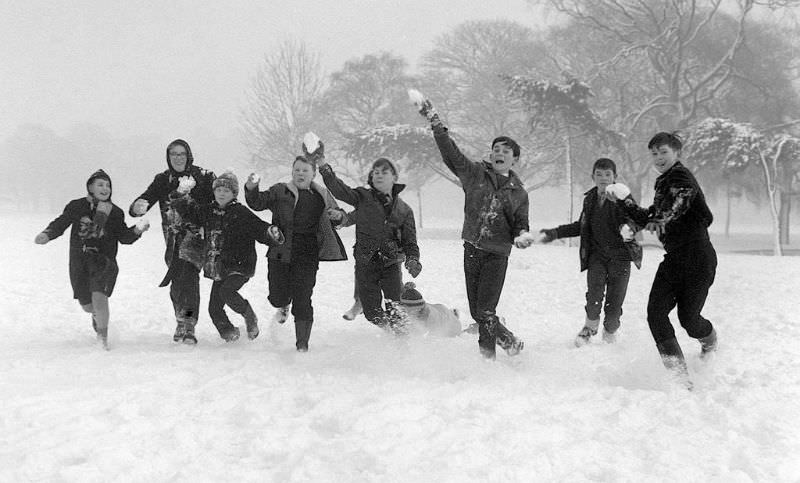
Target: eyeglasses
x=178 y=155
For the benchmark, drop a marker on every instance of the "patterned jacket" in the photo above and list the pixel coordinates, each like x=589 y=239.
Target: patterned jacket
x=391 y=238
x=494 y=213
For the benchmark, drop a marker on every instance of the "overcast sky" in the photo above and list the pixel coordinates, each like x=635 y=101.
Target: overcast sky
x=169 y=68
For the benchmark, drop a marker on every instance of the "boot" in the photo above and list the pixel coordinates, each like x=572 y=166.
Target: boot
x=609 y=337
x=188 y=332
x=353 y=311
x=302 y=332
x=231 y=335
x=589 y=329
x=507 y=340
x=672 y=357
x=180 y=331
x=708 y=344
x=487 y=336
x=251 y=321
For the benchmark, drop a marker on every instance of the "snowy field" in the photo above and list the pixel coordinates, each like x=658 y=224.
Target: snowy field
x=363 y=406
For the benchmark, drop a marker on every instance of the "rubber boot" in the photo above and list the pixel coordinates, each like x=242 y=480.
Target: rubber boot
x=507 y=340
x=672 y=357
x=708 y=344
x=188 y=331
x=251 y=321
x=302 y=332
x=487 y=336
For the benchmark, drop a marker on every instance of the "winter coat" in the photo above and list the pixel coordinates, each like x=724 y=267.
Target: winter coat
x=281 y=199
x=626 y=250
x=86 y=237
x=391 y=238
x=494 y=214
x=230 y=236
x=679 y=205
x=183 y=238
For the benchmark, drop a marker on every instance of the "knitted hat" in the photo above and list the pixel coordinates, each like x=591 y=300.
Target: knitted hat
x=228 y=180
x=99 y=174
x=410 y=295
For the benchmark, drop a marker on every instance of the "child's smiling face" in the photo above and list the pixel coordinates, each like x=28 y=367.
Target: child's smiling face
x=502 y=158
x=100 y=189
x=664 y=157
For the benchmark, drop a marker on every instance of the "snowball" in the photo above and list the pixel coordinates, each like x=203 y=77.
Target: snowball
x=186 y=183
x=255 y=178
x=626 y=232
x=416 y=97
x=619 y=190
x=311 y=142
x=143 y=224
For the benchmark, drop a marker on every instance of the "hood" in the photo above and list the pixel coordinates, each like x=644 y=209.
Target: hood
x=100 y=174
x=189 y=157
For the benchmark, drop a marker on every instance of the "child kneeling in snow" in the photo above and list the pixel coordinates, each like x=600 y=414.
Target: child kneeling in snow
x=434 y=319
x=231 y=231
x=98 y=226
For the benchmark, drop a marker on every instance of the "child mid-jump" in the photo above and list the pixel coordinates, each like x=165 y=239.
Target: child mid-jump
x=98 y=226
x=607 y=249
x=495 y=218
x=231 y=231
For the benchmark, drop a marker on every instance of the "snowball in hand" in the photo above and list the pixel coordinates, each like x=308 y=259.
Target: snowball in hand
x=311 y=142
x=143 y=224
x=140 y=206
x=416 y=97
x=186 y=183
x=619 y=190
x=626 y=232
x=254 y=178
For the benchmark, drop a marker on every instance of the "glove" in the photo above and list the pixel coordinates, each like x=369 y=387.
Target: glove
x=185 y=184
x=524 y=240
x=41 y=238
x=626 y=232
x=311 y=142
x=142 y=226
x=548 y=235
x=275 y=235
x=317 y=154
x=425 y=107
x=252 y=181
x=413 y=266
x=140 y=207
x=617 y=191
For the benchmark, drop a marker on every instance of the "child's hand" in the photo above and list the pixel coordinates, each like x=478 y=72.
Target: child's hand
x=41 y=239
x=275 y=235
x=335 y=215
x=185 y=184
x=313 y=148
x=252 y=181
x=140 y=207
x=548 y=235
x=424 y=106
x=413 y=266
x=524 y=240
x=142 y=226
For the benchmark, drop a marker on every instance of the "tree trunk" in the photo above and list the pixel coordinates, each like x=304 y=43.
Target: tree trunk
x=770 y=172
x=568 y=160
x=419 y=208
x=728 y=209
x=784 y=217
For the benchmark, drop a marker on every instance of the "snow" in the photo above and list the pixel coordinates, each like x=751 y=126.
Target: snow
x=365 y=406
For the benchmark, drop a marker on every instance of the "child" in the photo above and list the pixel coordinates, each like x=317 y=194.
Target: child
x=303 y=210
x=231 y=231
x=184 y=239
x=433 y=319
x=681 y=217
x=495 y=217
x=98 y=225
x=386 y=237
x=605 y=253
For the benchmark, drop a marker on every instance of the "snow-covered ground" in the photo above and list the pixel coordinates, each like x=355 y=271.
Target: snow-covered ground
x=363 y=406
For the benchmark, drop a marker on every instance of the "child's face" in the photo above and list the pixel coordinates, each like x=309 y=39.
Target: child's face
x=302 y=174
x=223 y=195
x=663 y=157
x=100 y=189
x=603 y=178
x=178 y=158
x=502 y=158
x=383 y=179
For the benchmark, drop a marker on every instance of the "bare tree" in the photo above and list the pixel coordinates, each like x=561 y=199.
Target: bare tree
x=281 y=104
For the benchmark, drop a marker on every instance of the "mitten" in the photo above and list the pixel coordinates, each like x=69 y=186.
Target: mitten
x=41 y=238
x=313 y=148
x=275 y=235
x=425 y=107
x=413 y=266
x=548 y=235
x=101 y=213
x=252 y=181
x=140 y=207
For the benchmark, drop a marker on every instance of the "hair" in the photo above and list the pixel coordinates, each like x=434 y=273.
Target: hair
x=671 y=139
x=605 y=163
x=508 y=142
x=381 y=163
x=304 y=159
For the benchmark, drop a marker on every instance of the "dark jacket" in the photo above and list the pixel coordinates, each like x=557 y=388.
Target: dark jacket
x=494 y=214
x=181 y=236
x=86 y=236
x=620 y=249
x=392 y=238
x=281 y=199
x=679 y=205
x=230 y=236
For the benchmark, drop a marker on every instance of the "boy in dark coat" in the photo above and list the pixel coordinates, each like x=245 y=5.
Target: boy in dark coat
x=98 y=226
x=495 y=218
x=306 y=213
x=231 y=231
x=680 y=217
x=606 y=252
x=386 y=238
x=183 y=238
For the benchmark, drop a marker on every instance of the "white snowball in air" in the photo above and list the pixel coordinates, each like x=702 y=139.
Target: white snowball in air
x=416 y=97
x=619 y=190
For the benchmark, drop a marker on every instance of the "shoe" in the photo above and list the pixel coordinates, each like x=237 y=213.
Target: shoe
x=583 y=336
x=188 y=336
x=251 y=321
x=708 y=345
x=281 y=314
x=232 y=335
x=180 y=332
x=609 y=337
x=353 y=311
